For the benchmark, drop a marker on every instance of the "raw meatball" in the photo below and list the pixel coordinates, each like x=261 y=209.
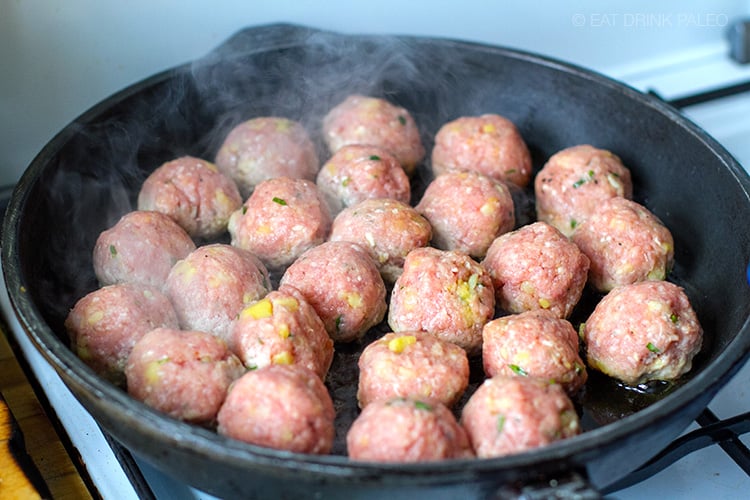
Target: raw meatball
x=508 y=415
x=281 y=219
x=104 y=325
x=536 y=344
x=266 y=147
x=387 y=228
x=213 y=284
x=625 y=243
x=141 y=248
x=573 y=183
x=407 y=430
x=285 y=407
x=444 y=293
x=194 y=193
x=342 y=283
x=185 y=374
x=360 y=172
x=644 y=331
x=537 y=267
x=467 y=211
x=283 y=329
x=415 y=364
x=371 y=120
x=489 y=144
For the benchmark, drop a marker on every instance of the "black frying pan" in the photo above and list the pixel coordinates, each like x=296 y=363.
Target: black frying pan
x=89 y=174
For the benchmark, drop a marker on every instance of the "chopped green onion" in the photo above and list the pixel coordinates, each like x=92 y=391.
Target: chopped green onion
x=511 y=171
x=673 y=317
x=582 y=329
x=112 y=251
x=518 y=370
x=573 y=223
x=500 y=423
x=244 y=210
x=338 y=323
x=252 y=367
x=375 y=158
x=421 y=405
x=401 y=120
x=651 y=347
x=280 y=201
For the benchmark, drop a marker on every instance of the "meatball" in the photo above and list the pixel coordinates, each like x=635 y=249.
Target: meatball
x=536 y=344
x=360 y=172
x=104 y=325
x=409 y=364
x=625 y=243
x=574 y=182
x=285 y=407
x=266 y=147
x=407 y=430
x=281 y=219
x=213 y=284
x=282 y=328
x=372 y=120
x=537 y=267
x=642 y=332
x=342 y=283
x=185 y=374
x=489 y=144
x=388 y=229
x=141 y=248
x=194 y=193
x=444 y=293
x=508 y=415
x=467 y=211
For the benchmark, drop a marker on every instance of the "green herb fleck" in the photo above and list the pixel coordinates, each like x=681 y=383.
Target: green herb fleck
x=280 y=201
x=244 y=210
x=162 y=361
x=401 y=119
x=573 y=223
x=673 y=317
x=112 y=251
x=500 y=423
x=651 y=347
x=338 y=323
x=581 y=329
x=345 y=181
x=518 y=370
x=511 y=171
x=374 y=157
x=421 y=405
x=578 y=368
x=252 y=367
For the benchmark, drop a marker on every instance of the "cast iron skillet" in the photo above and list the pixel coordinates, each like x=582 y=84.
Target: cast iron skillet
x=88 y=175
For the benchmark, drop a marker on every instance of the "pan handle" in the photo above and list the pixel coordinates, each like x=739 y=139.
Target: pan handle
x=262 y=38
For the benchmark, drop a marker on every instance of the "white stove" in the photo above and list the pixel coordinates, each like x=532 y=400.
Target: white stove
x=689 y=57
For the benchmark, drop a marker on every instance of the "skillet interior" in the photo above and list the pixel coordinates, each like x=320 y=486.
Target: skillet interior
x=88 y=176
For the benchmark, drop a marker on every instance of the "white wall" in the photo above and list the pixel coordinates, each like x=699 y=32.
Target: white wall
x=59 y=57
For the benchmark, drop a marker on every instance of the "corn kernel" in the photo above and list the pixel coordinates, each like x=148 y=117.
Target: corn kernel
x=283 y=358
x=95 y=317
x=544 y=303
x=398 y=344
x=488 y=128
x=284 y=331
x=489 y=207
x=288 y=303
x=354 y=299
x=259 y=310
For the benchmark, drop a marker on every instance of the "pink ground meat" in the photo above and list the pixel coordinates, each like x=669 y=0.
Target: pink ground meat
x=537 y=267
x=342 y=283
x=573 y=183
x=213 y=284
x=387 y=228
x=104 y=325
x=489 y=144
x=508 y=415
x=360 y=172
x=467 y=211
x=185 y=374
x=535 y=344
x=445 y=293
x=282 y=328
x=281 y=219
x=266 y=147
x=415 y=364
x=370 y=120
x=141 y=248
x=625 y=243
x=407 y=430
x=286 y=407
x=194 y=193
x=644 y=331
